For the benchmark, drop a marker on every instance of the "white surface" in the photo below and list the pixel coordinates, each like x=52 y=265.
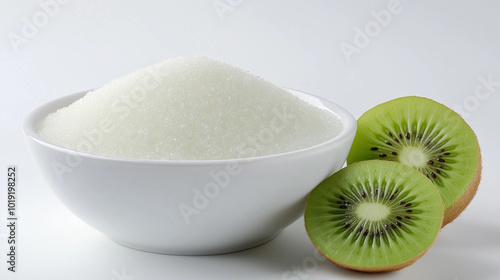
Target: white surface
x=438 y=50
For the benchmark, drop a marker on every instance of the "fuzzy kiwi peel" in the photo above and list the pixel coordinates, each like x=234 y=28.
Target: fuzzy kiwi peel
x=374 y=216
x=429 y=137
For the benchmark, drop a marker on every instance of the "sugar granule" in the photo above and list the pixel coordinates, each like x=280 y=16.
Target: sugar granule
x=189 y=108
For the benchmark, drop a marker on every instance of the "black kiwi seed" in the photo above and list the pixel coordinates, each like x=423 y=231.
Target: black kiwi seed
x=394 y=153
x=351 y=225
x=441 y=160
x=442 y=150
x=409 y=211
x=408 y=135
x=438 y=171
x=430 y=162
x=400 y=136
x=343 y=203
x=396 y=139
x=373 y=148
x=324 y=213
x=390 y=134
x=388 y=143
x=382 y=155
x=446 y=154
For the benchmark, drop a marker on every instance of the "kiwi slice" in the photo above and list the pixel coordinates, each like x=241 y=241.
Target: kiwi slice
x=429 y=137
x=374 y=216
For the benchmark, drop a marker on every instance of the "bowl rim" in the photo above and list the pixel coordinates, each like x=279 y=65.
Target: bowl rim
x=33 y=117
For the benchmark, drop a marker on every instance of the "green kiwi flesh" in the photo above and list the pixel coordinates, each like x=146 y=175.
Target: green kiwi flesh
x=374 y=216
x=427 y=136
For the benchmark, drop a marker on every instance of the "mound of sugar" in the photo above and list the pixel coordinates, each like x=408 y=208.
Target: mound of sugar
x=189 y=108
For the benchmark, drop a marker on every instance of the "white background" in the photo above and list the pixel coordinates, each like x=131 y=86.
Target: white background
x=437 y=49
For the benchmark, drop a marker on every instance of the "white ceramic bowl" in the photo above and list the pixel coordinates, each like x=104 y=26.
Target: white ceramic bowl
x=187 y=207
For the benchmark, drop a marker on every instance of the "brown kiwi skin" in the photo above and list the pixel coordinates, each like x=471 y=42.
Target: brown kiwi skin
x=376 y=269
x=452 y=212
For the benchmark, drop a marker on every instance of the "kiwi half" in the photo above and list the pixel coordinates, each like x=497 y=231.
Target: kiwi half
x=374 y=216
x=429 y=137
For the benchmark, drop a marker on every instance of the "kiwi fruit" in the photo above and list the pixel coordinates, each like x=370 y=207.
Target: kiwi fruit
x=428 y=136
x=374 y=216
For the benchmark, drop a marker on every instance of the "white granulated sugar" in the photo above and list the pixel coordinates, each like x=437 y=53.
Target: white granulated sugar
x=189 y=108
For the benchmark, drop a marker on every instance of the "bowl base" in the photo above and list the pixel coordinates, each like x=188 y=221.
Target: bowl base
x=195 y=251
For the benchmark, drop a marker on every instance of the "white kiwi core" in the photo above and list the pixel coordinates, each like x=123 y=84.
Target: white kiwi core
x=372 y=211
x=413 y=157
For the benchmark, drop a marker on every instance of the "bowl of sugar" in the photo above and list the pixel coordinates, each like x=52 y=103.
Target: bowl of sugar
x=189 y=156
